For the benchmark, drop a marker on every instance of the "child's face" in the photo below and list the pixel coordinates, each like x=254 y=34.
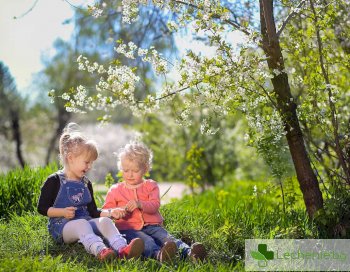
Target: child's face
x=132 y=173
x=79 y=165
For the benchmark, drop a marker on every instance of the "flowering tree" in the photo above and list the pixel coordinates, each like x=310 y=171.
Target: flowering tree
x=252 y=78
x=94 y=37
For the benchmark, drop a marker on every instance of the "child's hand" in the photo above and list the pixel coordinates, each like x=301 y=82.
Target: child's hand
x=132 y=205
x=69 y=212
x=118 y=213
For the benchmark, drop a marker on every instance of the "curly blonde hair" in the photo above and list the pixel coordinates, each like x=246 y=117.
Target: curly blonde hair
x=136 y=152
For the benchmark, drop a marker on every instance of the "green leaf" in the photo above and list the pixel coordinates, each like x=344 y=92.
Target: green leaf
x=257 y=255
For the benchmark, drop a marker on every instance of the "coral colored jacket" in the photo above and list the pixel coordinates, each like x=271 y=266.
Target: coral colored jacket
x=147 y=193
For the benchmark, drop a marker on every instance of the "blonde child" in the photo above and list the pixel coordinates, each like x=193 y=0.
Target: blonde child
x=67 y=199
x=140 y=201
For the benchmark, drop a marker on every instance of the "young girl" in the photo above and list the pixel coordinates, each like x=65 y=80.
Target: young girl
x=140 y=201
x=67 y=199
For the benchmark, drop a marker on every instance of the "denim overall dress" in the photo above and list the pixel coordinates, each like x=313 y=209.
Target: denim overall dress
x=71 y=194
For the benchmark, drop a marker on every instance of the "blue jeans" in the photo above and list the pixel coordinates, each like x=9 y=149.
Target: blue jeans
x=154 y=237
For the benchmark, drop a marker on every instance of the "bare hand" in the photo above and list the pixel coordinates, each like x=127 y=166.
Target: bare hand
x=132 y=205
x=69 y=212
x=118 y=213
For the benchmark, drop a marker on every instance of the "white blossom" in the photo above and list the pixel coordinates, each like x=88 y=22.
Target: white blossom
x=65 y=96
x=96 y=12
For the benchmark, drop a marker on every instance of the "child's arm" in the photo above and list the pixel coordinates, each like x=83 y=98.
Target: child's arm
x=116 y=213
x=110 y=207
x=68 y=212
x=110 y=201
x=95 y=212
x=132 y=205
x=153 y=203
x=47 y=198
x=48 y=194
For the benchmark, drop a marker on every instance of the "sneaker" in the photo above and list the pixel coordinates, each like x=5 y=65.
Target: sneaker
x=197 y=252
x=167 y=252
x=106 y=254
x=133 y=250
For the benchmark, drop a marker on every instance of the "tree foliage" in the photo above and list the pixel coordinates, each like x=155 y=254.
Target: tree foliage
x=11 y=105
x=288 y=78
x=95 y=38
x=221 y=155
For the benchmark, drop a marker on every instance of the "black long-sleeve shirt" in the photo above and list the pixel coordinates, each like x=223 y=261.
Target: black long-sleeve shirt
x=49 y=192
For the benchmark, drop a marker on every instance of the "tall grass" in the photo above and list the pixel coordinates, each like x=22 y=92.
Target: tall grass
x=20 y=188
x=226 y=216
x=221 y=218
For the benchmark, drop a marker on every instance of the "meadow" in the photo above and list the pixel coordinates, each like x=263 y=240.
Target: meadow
x=222 y=218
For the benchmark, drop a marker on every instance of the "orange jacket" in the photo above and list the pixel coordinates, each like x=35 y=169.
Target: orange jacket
x=147 y=193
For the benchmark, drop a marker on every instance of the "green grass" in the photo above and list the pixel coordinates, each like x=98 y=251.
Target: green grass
x=222 y=218
x=26 y=246
x=20 y=189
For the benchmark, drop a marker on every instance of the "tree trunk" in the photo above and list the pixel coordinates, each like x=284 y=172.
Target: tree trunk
x=62 y=118
x=287 y=108
x=17 y=136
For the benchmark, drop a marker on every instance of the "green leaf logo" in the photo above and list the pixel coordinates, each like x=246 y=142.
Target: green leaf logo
x=262 y=255
x=258 y=256
x=262 y=248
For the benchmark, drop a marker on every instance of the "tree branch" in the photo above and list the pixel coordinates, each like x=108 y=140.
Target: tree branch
x=187 y=4
x=73 y=6
x=335 y=123
x=232 y=23
x=173 y=93
x=29 y=10
x=265 y=92
x=289 y=17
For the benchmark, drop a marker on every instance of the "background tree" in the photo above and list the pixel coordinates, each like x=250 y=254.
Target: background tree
x=223 y=154
x=319 y=81
x=11 y=105
x=95 y=38
x=254 y=78
x=287 y=109
x=59 y=74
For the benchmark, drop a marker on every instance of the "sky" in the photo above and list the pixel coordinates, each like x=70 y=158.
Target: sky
x=39 y=23
x=26 y=39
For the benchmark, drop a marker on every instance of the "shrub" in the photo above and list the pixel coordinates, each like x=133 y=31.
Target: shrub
x=20 y=189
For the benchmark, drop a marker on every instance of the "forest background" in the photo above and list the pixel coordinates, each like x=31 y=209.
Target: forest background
x=262 y=96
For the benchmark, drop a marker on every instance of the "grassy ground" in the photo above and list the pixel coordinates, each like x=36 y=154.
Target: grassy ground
x=220 y=218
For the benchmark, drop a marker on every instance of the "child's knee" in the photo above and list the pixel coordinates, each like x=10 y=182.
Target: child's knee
x=105 y=221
